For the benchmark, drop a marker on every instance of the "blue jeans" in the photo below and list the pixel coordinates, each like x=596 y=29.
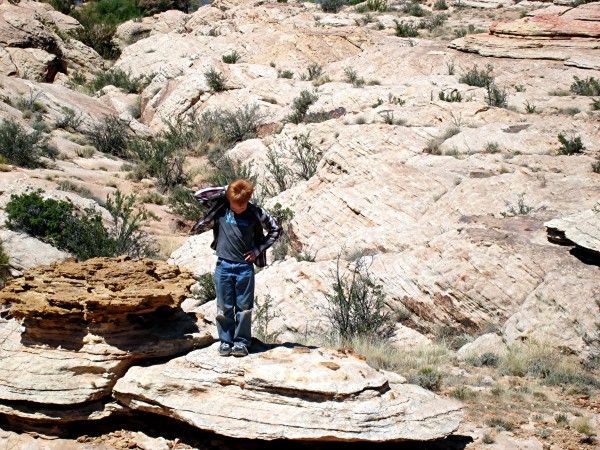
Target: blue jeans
x=234 y=283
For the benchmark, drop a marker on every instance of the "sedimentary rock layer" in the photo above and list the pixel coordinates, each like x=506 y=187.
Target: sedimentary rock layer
x=289 y=392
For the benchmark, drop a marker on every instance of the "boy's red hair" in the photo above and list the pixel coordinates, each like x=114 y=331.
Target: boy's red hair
x=240 y=191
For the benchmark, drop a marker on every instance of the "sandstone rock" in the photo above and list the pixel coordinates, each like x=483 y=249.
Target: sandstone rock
x=580 y=229
x=487 y=343
x=83 y=325
x=25 y=252
x=570 y=36
x=288 y=392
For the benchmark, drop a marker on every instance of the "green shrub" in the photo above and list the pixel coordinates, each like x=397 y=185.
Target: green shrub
x=437 y=20
x=183 y=204
x=120 y=79
x=530 y=108
x=496 y=97
x=521 y=210
x=499 y=422
x=570 y=146
x=100 y=38
x=450 y=96
x=595 y=104
x=332 y=6
x=589 y=86
x=356 y=304
x=70 y=121
x=231 y=58
x=283 y=216
x=263 y=315
x=440 y=5
x=313 y=72
x=427 y=378
x=406 y=29
x=377 y=5
x=414 y=9
x=285 y=74
x=23 y=149
x=111 y=136
x=227 y=170
x=241 y=124
x=300 y=106
x=463 y=393
x=570 y=111
x=205 y=290
x=476 y=77
x=596 y=167
x=215 y=79
x=4 y=267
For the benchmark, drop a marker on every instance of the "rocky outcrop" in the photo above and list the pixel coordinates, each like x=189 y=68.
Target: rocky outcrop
x=581 y=229
x=571 y=35
x=81 y=326
x=31 y=44
x=289 y=392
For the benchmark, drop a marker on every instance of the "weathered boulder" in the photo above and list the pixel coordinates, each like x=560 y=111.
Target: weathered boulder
x=82 y=325
x=288 y=392
x=569 y=35
x=581 y=229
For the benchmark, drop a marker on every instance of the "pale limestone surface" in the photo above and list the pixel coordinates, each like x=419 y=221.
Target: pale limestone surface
x=486 y=343
x=328 y=395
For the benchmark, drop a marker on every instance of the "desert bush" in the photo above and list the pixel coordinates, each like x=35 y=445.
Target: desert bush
x=596 y=167
x=595 y=105
x=571 y=145
x=530 y=108
x=521 y=209
x=427 y=378
x=4 y=267
x=300 y=106
x=440 y=5
x=182 y=203
x=569 y=111
x=500 y=422
x=120 y=79
x=589 y=86
x=239 y=125
x=352 y=77
x=356 y=304
x=23 y=149
x=226 y=170
x=377 y=5
x=262 y=317
x=463 y=393
x=285 y=74
x=205 y=290
x=332 y=6
x=69 y=186
x=450 y=96
x=70 y=121
x=56 y=221
x=476 y=77
x=496 y=97
x=436 y=20
x=126 y=234
x=99 y=37
x=413 y=8
x=281 y=175
x=406 y=29
x=283 y=216
x=111 y=136
x=231 y=58
x=215 y=79
x=313 y=72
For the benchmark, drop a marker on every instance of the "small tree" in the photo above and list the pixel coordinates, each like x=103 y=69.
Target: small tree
x=23 y=149
x=356 y=304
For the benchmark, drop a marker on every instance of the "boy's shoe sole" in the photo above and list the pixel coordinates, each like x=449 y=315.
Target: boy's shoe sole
x=239 y=350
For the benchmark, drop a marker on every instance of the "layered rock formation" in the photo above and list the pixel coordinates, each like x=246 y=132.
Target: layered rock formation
x=580 y=229
x=289 y=392
x=566 y=34
x=82 y=325
x=30 y=45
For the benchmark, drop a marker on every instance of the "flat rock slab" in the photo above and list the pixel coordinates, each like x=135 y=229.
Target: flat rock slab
x=581 y=229
x=288 y=392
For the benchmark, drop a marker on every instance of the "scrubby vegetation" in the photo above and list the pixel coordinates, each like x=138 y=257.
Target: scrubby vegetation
x=300 y=106
x=24 y=149
x=81 y=232
x=4 y=267
x=111 y=136
x=121 y=79
x=478 y=77
x=589 y=86
x=332 y=6
x=570 y=145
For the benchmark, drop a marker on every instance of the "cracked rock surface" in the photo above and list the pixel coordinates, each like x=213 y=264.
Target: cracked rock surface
x=289 y=392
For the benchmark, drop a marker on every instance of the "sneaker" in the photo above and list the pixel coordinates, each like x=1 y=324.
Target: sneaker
x=225 y=349
x=239 y=349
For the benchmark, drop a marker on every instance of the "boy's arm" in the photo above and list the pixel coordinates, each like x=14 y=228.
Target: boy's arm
x=209 y=198
x=272 y=228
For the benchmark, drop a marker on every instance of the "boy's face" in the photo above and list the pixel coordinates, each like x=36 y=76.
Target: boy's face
x=238 y=208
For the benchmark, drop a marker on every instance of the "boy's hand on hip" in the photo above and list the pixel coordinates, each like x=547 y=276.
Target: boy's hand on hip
x=249 y=256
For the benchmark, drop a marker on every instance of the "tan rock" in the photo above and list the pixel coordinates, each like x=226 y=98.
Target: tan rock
x=83 y=325
x=288 y=392
x=487 y=343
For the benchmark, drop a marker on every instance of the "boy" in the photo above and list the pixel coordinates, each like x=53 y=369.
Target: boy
x=239 y=242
